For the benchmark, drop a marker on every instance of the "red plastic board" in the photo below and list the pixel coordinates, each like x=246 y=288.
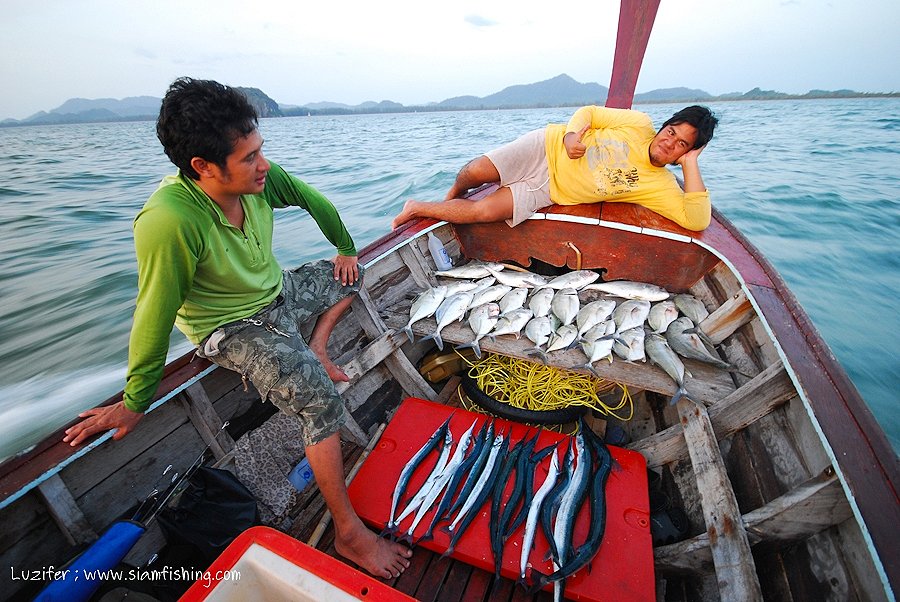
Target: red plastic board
x=621 y=570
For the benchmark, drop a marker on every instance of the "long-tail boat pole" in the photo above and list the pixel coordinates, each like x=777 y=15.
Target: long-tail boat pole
x=635 y=22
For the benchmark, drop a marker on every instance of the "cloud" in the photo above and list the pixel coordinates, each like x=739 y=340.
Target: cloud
x=479 y=21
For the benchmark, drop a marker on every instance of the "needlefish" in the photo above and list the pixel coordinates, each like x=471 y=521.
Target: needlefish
x=479 y=493
x=441 y=481
x=571 y=502
x=482 y=442
x=597 y=507
x=419 y=496
x=534 y=509
x=409 y=469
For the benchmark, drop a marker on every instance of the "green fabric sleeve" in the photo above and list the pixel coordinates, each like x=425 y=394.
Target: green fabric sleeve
x=167 y=250
x=283 y=189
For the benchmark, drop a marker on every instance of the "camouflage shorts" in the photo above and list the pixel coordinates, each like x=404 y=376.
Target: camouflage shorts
x=268 y=349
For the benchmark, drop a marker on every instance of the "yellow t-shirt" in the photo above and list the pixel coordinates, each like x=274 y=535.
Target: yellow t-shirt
x=616 y=167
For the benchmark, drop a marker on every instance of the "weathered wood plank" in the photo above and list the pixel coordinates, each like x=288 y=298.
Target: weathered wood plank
x=729 y=316
x=203 y=416
x=405 y=373
x=422 y=274
x=757 y=398
x=804 y=511
x=372 y=354
x=735 y=569
x=65 y=511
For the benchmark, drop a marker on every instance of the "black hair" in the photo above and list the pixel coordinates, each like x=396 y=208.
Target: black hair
x=700 y=117
x=202 y=118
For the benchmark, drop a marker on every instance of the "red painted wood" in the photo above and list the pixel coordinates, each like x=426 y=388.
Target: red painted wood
x=635 y=22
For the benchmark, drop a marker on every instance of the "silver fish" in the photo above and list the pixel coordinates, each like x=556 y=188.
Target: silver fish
x=423 y=307
x=597 y=344
x=692 y=307
x=481 y=320
x=631 y=314
x=442 y=479
x=419 y=496
x=628 y=289
x=662 y=355
x=451 y=309
x=540 y=301
x=538 y=330
x=531 y=521
x=593 y=313
x=513 y=299
x=630 y=344
x=688 y=345
x=577 y=280
x=564 y=527
x=565 y=305
x=512 y=323
x=481 y=483
x=518 y=279
x=471 y=270
x=484 y=283
x=490 y=294
x=460 y=286
x=562 y=338
x=661 y=315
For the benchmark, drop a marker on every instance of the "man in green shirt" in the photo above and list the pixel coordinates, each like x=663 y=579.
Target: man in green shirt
x=205 y=264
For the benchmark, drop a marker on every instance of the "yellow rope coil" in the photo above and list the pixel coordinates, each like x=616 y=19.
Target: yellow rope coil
x=531 y=386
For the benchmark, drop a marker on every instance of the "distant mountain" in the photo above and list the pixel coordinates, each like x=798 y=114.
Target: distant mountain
x=560 y=91
x=673 y=95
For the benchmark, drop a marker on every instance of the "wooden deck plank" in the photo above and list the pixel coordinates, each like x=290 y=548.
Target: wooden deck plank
x=757 y=398
x=804 y=511
x=735 y=569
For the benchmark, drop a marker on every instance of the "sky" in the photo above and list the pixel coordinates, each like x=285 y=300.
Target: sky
x=415 y=52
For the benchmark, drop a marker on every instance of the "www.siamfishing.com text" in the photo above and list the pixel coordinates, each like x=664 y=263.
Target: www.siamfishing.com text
x=164 y=573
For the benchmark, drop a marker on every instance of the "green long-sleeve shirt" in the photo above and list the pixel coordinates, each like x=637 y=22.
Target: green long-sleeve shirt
x=197 y=271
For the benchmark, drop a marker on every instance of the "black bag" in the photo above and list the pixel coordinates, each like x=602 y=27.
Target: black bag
x=214 y=508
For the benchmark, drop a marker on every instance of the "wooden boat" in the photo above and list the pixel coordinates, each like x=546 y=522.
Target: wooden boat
x=789 y=484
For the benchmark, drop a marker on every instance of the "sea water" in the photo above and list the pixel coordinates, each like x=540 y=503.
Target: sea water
x=815 y=184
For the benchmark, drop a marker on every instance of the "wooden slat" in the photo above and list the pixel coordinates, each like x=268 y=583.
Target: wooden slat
x=203 y=416
x=422 y=274
x=735 y=568
x=405 y=373
x=816 y=505
x=758 y=397
x=730 y=316
x=372 y=354
x=65 y=511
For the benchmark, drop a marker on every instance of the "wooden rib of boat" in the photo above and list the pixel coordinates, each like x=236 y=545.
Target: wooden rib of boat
x=788 y=482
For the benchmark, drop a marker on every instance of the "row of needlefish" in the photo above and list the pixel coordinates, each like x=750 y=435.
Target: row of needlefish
x=477 y=471
x=647 y=320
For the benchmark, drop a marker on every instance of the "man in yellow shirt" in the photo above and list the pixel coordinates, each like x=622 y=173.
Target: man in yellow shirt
x=602 y=154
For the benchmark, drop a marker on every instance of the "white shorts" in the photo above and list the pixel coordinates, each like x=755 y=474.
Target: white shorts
x=522 y=165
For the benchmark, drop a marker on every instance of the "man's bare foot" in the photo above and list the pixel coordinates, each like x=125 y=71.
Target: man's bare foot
x=406 y=214
x=377 y=555
x=334 y=371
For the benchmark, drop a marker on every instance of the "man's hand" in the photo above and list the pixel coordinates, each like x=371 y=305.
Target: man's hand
x=97 y=420
x=346 y=269
x=572 y=141
x=691 y=156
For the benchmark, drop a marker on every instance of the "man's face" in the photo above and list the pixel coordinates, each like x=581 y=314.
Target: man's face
x=671 y=142
x=245 y=168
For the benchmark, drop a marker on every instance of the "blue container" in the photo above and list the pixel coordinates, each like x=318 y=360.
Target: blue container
x=301 y=475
